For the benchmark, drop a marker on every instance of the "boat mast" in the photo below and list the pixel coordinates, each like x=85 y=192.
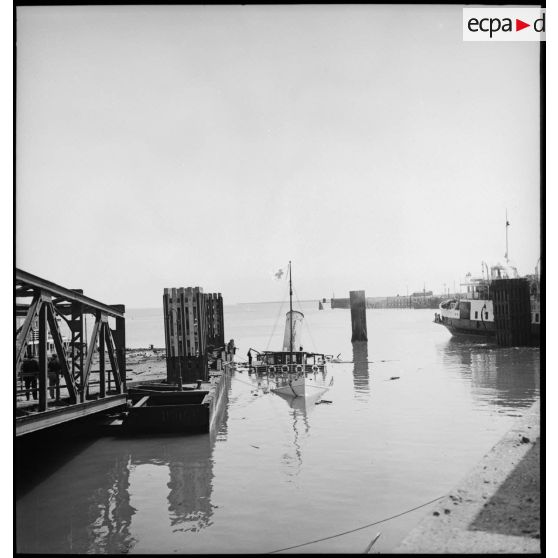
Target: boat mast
x=507 y=225
x=291 y=308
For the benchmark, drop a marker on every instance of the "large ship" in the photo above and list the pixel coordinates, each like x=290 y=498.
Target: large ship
x=472 y=313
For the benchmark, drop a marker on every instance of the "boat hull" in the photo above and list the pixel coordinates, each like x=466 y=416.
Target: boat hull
x=188 y=411
x=299 y=387
x=460 y=327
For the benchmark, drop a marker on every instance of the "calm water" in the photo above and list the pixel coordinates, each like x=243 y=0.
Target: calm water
x=277 y=474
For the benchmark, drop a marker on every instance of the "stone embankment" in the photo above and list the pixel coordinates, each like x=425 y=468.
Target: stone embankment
x=496 y=508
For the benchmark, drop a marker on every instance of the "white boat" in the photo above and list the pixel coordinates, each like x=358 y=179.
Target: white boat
x=472 y=313
x=293 y=371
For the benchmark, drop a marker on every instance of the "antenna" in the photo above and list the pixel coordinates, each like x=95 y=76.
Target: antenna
x=507 y=225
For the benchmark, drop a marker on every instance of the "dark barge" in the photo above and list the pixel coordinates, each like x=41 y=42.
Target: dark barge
x=161 y=407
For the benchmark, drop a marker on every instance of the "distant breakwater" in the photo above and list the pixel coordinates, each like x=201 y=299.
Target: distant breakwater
x=415 y=302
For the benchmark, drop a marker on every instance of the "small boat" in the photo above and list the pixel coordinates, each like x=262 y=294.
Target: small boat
x=293 y=371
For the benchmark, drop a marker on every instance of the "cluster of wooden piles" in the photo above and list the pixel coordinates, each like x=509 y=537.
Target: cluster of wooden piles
x=198 y=363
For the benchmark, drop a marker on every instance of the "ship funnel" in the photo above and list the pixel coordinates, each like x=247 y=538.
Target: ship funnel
x=297 y=318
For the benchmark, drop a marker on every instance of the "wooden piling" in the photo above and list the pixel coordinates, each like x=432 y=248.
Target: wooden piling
x=193 y=322
x=358 y=315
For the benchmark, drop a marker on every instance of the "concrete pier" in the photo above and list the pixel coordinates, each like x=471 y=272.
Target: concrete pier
x=496 y=508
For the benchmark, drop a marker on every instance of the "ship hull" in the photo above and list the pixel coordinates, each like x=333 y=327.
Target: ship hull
x=469 y=328
x=299 y=387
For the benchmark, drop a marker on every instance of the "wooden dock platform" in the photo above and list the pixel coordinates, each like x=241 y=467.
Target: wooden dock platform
x=55 y=416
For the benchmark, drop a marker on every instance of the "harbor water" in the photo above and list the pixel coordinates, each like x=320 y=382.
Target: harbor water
x=411 y=412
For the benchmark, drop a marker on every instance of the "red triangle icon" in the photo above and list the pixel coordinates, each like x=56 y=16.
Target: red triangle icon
x=519 y=25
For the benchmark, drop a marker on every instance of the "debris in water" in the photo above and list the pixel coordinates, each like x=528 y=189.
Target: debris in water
x=372 y=543
x=323 y=401
x=395 y=377
x=525 y=440
x=257 y=447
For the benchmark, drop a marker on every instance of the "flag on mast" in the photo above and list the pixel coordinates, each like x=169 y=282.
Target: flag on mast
x=278 y=275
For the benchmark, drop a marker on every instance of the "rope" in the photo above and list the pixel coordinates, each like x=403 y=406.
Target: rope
x=358 y=528
x=243 y=382
x=275 y=325
x=305 y=321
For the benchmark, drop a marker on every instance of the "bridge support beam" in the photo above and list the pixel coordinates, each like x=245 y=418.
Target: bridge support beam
x=42 y=305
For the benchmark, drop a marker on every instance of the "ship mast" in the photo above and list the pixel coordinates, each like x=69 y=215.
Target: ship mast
x=507 y=225
x=291 y=309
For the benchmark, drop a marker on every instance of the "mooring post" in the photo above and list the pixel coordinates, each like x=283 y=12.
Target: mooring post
x=358 y=315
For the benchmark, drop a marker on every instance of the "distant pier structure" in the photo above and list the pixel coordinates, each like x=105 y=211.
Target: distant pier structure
x=358 y=315
x=193 y=325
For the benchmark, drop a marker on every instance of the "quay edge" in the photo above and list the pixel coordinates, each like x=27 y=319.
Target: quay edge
x=496 y=508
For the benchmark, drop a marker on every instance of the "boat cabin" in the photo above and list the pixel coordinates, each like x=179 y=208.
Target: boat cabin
x=476 y=288
x=287 y=362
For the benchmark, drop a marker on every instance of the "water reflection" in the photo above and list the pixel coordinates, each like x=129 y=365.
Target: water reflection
x=92 y=515
x=300 y=408
x=509 y=376
x=112 y=528
x=360 y=370
x=190 y=465
x=93 y=510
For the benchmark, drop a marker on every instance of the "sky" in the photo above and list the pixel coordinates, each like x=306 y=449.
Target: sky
x=168 y=146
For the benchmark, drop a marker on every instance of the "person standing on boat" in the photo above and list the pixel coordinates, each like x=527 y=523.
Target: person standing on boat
x=54 y=368
x=249 y=358
x=30 y=375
